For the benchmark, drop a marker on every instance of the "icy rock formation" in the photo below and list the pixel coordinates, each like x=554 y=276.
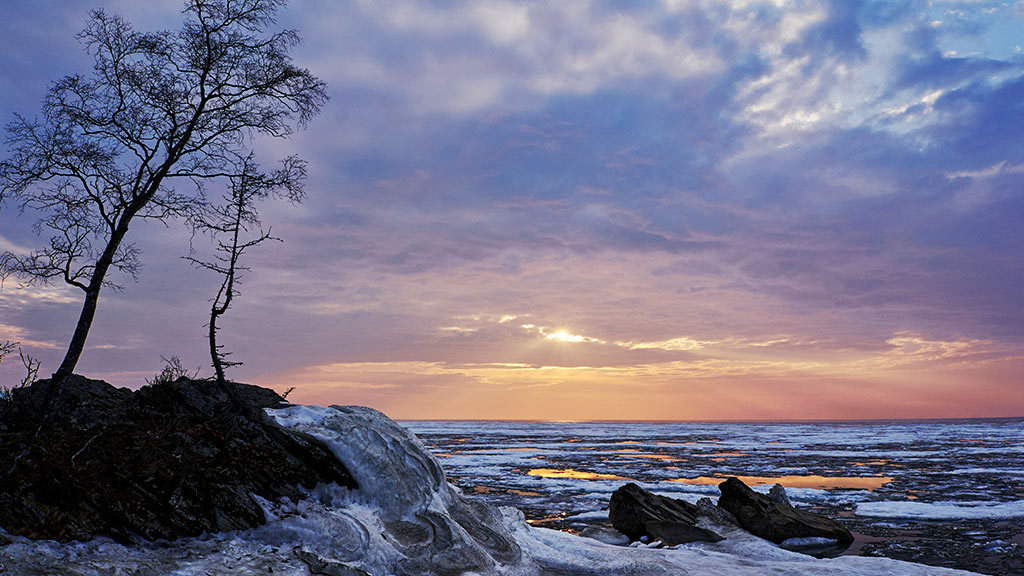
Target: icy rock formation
x=427 y=525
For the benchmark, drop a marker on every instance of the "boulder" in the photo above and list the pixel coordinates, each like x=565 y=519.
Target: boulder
x=637 y=513
x=776 y=521
x=168 y=460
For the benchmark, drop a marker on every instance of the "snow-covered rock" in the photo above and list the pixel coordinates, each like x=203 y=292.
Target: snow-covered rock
x=406 y=519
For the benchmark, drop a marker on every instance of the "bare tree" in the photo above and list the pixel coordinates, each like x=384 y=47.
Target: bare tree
x=160 y=109
x=234 y=226
x=30 y=363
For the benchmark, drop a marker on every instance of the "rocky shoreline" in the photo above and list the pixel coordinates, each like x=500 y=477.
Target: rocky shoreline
x=184 y=477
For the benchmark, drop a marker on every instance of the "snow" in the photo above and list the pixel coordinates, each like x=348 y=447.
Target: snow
x=741 y=554
x=407 y=519
x=941 y=510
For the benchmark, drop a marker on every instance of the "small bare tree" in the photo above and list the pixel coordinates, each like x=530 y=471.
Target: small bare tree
x=160 y=109
x=172 y=371
x=30 y=363
x=234 y=226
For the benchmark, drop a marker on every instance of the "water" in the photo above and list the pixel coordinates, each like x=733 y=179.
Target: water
x=947 y=493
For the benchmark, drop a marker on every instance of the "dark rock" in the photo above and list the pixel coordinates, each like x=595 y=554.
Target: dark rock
x=672 y=533
x=637 y=513
x=778 y=494
x=631 y=507
x=169 y=460
x=706 y=508
x=775 y=521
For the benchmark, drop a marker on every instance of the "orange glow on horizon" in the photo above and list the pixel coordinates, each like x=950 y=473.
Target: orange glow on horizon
x=912 y=379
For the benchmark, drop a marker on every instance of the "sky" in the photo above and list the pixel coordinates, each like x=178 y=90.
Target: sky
x=597 y=209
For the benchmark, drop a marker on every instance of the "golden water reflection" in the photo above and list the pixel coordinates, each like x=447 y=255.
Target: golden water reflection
x=575 y=474
x=528 y=493
x=812 y=481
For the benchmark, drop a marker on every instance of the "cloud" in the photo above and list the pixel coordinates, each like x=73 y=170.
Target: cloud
x=17 y=334
x=996 y=169
x=690 y=197
x=680 y=343
x=473 y=56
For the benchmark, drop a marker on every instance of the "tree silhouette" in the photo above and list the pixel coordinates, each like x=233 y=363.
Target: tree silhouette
x=160 y=110
x=234 y=226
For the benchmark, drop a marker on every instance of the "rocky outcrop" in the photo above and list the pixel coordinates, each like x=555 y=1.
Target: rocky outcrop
x=775 y=520
x=426 y=526
x=169 y=460
x=637 y=513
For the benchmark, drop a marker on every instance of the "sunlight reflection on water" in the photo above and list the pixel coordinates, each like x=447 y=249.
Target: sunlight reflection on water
x=575 y=474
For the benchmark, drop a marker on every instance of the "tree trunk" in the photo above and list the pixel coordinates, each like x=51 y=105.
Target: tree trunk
x=92 y=295
x=77 y=345
x=218 y=366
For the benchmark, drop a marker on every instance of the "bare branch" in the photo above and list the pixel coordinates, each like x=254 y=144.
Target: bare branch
x=31 y=365
x=7 y=347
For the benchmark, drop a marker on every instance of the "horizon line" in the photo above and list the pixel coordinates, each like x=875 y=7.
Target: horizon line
x=724 y=421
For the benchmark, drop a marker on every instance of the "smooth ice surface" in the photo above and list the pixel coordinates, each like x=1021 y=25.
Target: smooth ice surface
x=407 y=519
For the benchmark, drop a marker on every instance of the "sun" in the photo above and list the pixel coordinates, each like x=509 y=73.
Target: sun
x=564 y=336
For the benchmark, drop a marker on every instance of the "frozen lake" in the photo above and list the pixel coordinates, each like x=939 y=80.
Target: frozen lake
x=930 y=493
x=943 y=492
